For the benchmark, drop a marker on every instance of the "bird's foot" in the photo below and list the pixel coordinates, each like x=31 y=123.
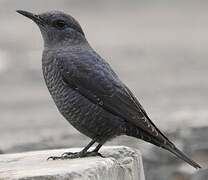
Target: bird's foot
x=70 y=155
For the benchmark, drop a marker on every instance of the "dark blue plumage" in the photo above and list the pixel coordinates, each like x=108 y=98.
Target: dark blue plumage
x=87 y=92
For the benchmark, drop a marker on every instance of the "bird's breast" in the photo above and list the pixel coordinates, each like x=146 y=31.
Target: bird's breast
x=55 y=84
x=72 y=105
x=84 y=115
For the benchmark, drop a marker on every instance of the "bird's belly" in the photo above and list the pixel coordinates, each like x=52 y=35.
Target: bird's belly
x=86 y=117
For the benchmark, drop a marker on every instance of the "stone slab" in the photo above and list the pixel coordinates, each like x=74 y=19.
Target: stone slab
x=120 y=163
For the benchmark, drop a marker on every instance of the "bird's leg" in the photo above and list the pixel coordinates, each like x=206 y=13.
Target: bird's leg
x=95 y=151
x=85 y=153
x=71 y=155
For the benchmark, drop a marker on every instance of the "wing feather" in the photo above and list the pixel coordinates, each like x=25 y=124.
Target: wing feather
x=94 y=79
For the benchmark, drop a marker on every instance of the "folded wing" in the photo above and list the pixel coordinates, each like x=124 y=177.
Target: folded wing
x=94 y=79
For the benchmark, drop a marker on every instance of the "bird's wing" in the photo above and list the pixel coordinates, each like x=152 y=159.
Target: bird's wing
x=93 y=78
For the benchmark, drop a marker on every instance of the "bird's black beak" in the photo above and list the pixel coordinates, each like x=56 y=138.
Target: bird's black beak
x=36 y=18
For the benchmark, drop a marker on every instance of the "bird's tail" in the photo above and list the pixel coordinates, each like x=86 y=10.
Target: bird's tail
x=182 y=156
x=139 y=133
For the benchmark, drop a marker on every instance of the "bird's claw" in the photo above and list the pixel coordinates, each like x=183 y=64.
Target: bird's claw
x=67 y=155
x=70 y=155
x=54 y=157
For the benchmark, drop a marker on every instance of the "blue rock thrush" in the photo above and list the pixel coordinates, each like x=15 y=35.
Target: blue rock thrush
x=87 y=92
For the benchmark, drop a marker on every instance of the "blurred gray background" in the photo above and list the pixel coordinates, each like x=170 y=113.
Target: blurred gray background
x=158 y=48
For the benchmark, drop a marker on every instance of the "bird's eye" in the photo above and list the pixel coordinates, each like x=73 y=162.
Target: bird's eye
x=60 y=24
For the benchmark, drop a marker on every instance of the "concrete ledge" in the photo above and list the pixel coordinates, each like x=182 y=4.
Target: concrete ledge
x=121 y=163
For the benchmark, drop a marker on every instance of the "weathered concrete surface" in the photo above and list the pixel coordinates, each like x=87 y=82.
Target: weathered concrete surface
x=121 y=163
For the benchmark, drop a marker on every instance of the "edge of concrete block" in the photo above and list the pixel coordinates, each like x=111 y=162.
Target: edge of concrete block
x=120 y=163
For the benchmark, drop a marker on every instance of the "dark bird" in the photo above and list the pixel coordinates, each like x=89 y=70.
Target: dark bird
x=87 y=92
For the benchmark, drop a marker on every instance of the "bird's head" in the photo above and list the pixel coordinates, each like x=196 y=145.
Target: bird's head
x=57 y=28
